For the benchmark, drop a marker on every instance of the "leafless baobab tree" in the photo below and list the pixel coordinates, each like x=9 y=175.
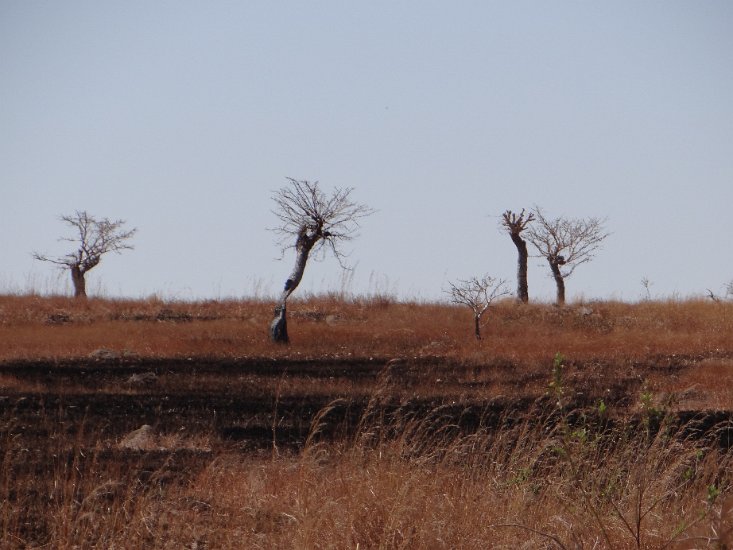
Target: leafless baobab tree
x=565 y=244
x=477 y=294
x=514 y=224
x=94 y=238
x=315 y=222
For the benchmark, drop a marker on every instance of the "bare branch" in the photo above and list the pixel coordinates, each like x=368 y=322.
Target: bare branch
x=63 y=261
x=516 y=223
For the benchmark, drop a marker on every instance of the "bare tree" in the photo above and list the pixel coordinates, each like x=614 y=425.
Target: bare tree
x=647 y=284
x=514 y=225
x=565 y=244
x=316 y=222
x=94 y=238
x=477 y=294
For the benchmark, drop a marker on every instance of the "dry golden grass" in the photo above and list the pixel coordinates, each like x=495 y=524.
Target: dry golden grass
x=36 y=327
x=541 y=482
x=610 y=337
x=544 y=478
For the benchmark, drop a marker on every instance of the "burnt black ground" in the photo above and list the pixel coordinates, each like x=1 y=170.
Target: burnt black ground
x=258 y=403
x=61 y=422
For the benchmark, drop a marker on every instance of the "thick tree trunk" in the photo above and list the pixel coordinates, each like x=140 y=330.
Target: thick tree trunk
x=477 y=327
x=80 y=284
x=279 y=325
x=559 y=281
x=522 y=288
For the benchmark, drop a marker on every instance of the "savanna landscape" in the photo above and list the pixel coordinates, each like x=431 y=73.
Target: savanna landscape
x=382 y=424
x=442 y=346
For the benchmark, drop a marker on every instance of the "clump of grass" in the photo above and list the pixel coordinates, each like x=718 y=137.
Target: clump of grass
x=411 y=483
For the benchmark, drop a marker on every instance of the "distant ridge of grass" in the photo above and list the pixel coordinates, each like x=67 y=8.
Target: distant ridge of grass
x=327 y=326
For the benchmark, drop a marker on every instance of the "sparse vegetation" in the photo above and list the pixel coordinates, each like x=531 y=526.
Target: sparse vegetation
x=34 y=327
x=384 y=424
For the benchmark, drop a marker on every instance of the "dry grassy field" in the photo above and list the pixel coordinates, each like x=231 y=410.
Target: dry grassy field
x=383 y=424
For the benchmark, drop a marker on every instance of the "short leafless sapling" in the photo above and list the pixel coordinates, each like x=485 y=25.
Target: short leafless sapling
x=311 y=221
x=565 y=244
x=514 y=224
x=647 y=284
x=478 y=294
x=94 y=238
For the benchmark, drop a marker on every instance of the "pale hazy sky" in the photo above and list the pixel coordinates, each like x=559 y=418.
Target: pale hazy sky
x=183 y=117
